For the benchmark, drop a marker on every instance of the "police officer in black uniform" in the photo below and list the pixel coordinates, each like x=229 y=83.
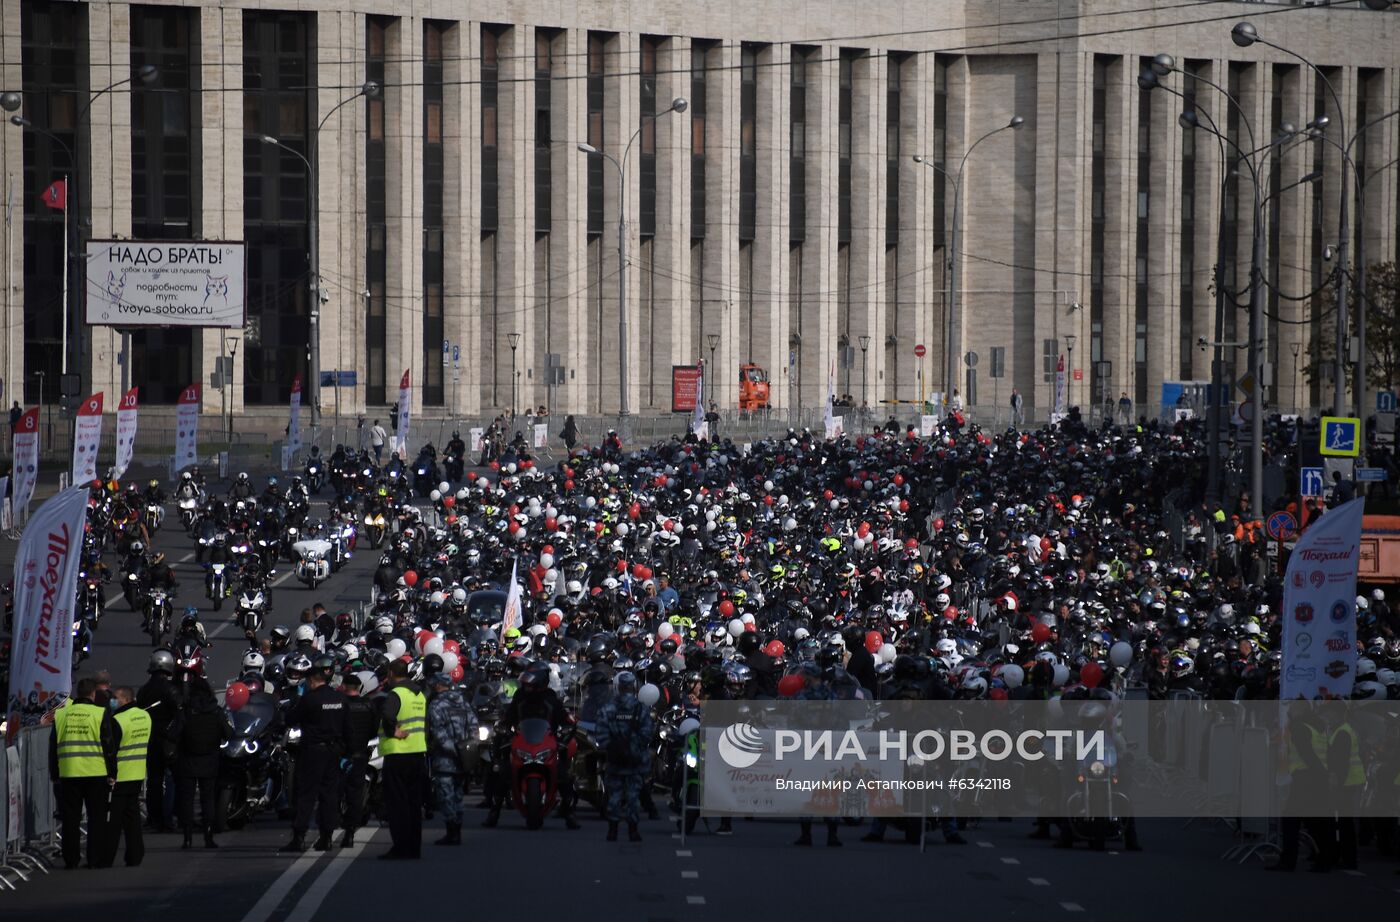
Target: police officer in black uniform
x=362 y=726
x=321 y=715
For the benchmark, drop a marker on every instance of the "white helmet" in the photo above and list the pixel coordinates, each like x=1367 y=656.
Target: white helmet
x=304 y=632
x=459 y=596
x=253 y=661
x=384 y=625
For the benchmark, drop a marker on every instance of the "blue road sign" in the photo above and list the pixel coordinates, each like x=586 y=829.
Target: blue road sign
x=1341 y=436
x=338 y=379
x=1385 y=401
x=1373 y=474
x=1281 y=526
x=1312 y=481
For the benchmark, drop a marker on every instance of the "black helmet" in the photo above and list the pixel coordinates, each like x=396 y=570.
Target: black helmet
x=324 y=666
x=432 y=665
x=535 y=678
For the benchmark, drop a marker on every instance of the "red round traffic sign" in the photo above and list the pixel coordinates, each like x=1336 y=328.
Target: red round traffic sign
x=919 y=350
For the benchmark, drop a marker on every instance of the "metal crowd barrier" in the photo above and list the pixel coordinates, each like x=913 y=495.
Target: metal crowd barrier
x=30 y=830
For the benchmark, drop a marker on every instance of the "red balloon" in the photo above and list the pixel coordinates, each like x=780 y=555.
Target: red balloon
x=449 y=501
x=495 y=465
x=903 y=505
x=457 y=673
x=670 y=525
x=950 y=613
x=1091 y=675
x=768 y=500
x=471 y=475
x=828 y=495
x=421 y=638
x=451 y=646
x=451 y=520
x=996 y=694
x=236 y=696
x=622 y=566
x=1040 y=633
x=514 y=509
x=410 y=578
x=937 y=524
x=514 y=527
x=873 y=641
x=634 y=511
x=551 y=524
x=790 y=685
x=599 y=528
x=569 y=484
x=547 y=549
x=553 y=620
x=726 y=608
x=638 y=571
x=899 y=480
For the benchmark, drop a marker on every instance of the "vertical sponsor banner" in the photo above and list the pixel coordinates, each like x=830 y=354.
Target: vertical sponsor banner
x=126 y=433
x=26 y=461
x=514 y=615
x=294 y=423
x=1060 y=386
x=834 y=427
x=187 y=428
x=541 y=435
x=1319 y=607
x=46 y=581
x=87 y=435
x=698 y=425
x=405 y=403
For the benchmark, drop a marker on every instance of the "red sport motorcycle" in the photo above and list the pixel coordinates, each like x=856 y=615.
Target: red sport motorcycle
x=534 y=770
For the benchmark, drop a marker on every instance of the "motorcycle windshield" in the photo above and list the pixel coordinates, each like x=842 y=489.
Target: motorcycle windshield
x=534 y=730
x=253 y=716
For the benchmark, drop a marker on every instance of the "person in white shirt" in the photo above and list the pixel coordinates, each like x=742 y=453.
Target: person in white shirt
x=377 y=435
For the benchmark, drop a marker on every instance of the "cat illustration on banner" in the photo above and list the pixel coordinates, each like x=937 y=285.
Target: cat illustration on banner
x=216 y=286
x=116 y=284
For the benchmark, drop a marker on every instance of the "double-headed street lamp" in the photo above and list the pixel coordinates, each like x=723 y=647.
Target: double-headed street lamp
x=370 y=89
x=864 y=356
x=713 y=340
x=677 y=105
x=74 y=264
x=514 y=340
x=952 y=331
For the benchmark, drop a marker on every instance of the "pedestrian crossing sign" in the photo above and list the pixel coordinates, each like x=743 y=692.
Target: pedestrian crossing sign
x=1341 y=437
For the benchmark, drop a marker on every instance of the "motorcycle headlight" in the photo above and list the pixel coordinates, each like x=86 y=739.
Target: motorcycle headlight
x=294 y=734
x=1097 y=769
x=312 y=470
x=524 y=756
x=483 y=733
x=690 y=760
x=76 y=625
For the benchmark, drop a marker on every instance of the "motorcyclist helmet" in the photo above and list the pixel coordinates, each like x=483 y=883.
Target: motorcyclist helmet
x=305 y=633
x=253 y=661
x=536 y=677
x=280 y=635
x=162 y=663
x=137 y=547
x=324 y=666
x=242 y=476
x=432 y=665
x=626 y=681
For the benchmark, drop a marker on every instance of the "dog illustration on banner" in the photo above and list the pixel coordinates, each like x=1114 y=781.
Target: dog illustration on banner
x=116 y=286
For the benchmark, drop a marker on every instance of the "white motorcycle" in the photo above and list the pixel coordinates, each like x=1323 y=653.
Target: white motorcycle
x=189 y=512
x=252 y=606
x=312 y=566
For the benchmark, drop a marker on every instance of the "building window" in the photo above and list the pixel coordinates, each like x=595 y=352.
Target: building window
x=50 y=36
x=544 y=130
x=376 y=218
x=490 y=89
x=434 y=218
x=162 y=193
x=748 y=142
x=845 y=78
x=597 y=48
x=699 y=65
x=797 y=196
x=646 y=206
x=278 y=83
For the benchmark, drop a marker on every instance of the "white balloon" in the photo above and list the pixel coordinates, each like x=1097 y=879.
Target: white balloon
x=395 y=648
x=736 y=627
x=551 y=575
x=546 y=560
x=1013 y=675
x=887 y=653
x=590 y=502
x=768 y=485
x=1120 y=654
x=449 y=661
x=1061 y=674
x=435 y=495
x=665 y=630
x=444 y=486
x=649 y=694
x=869 y=485
x=789 y=524
x=433 y=646
x=622 y=529
x=711 y=526
x=747 y=619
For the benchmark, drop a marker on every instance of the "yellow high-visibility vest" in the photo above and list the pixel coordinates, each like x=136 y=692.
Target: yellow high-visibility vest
x=136 y=736
x=413 y=715
x=79 y=730
x=1356 y=771
x=1319 y=746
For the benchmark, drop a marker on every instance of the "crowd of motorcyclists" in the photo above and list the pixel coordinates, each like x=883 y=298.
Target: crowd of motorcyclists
x=970 y=564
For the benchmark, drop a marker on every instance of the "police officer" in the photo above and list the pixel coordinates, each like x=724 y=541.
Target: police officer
x=362 y=726
x=403 y=744
x=450 y=723
x=160 y=699
x=83 y=756
x=624 y=731
x=320 y=713
x=125 y=816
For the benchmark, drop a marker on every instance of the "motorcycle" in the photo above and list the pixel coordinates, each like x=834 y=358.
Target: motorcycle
x=157 y=615
x=82 y=641
x=315 y=475
x=134 y=589
x=1097 y=806
x=189 y=658
x=342 y=539
x=216 y=587
x=534 y=770
x=291 y=536
x=189 y=512
x=425 y=473
x=252 y=608
x=252 y=764
x=376 y=526
x=92 y=603
x=453 y=466
x=205 y=533
x=312 y=566
x=155 y=515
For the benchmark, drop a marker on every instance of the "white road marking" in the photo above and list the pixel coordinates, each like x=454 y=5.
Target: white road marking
x=689 y=875
x=1071 y=907
x=340 y=862
x=695 y=900
x=1010 y=861
x=1354 y=873
x=1038 y=881
x=982 y=843
x=684 y=853
x=281 y=887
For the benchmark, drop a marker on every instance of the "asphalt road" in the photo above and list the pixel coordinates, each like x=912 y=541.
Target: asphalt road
x=756 y=873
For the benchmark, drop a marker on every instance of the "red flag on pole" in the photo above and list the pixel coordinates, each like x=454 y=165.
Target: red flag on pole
x=56 y=195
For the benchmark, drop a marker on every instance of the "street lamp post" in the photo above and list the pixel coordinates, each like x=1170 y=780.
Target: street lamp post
x=370 y=89
x=679 y=104
x=514 y=339
x=864 y=382
x=74 y=263
x=953 y=332
x=713 y=340
x=1295 y=348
